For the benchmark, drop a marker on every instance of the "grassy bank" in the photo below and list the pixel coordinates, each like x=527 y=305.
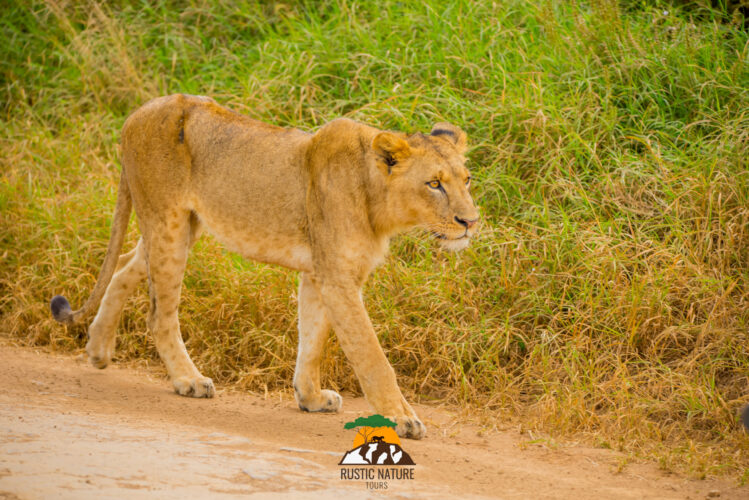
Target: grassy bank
x=608 y=291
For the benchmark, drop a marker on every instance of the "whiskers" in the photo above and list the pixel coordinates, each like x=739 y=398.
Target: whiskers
x=446 y=240
x=445 y=231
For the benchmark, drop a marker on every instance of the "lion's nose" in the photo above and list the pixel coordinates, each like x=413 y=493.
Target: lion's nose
x=468 y=223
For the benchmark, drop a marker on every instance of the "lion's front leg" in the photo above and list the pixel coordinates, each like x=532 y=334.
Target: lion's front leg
x=313 y=331
x=345 y=308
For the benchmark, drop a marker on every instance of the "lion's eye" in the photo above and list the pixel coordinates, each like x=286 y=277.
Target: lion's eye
x=468 y=181
x=435 y=184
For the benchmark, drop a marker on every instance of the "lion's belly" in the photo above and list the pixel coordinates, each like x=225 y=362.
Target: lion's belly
x=288 y=250
x=247 y=186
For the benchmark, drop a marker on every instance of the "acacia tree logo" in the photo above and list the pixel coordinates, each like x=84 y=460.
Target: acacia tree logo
x=375 y=443
x=368 y=426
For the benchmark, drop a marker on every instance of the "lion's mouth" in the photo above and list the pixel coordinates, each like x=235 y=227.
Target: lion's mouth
x=451 y=243
x=443 y=236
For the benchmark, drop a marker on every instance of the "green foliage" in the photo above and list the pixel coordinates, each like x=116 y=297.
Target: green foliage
x=607 y=292
x=375 y=420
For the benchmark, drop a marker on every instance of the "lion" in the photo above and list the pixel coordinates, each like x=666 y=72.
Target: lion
x=324 y=203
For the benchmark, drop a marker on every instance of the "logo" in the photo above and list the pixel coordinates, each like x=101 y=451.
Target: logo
x=376 y=454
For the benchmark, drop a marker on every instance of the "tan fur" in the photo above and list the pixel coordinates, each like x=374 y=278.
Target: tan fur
x=325 y=204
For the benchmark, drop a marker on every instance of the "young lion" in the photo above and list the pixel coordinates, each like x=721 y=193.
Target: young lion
x=325 y=204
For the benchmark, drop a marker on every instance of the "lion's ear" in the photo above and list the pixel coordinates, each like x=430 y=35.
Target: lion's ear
x=390 y=150
x=452 y=134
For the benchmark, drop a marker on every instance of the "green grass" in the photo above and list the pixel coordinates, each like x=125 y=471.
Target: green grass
x=607 y=295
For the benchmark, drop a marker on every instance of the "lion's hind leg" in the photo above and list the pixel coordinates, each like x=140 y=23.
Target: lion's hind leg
x=167 y=248
x=314 y=328
x=131 y=270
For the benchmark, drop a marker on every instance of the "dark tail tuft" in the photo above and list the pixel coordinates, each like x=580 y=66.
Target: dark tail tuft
x=745 y=417
x=59 y=305
x=61 y=309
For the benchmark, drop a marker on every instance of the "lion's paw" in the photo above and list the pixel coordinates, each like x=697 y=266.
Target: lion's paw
x=100 y=357
x=328 y=401
x=410 y=427
x=99 y=362
x=194 y=387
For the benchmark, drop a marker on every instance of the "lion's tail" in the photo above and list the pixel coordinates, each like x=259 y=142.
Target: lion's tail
x=59 y=305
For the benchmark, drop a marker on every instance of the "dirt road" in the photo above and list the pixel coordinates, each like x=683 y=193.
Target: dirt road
x=68 y=430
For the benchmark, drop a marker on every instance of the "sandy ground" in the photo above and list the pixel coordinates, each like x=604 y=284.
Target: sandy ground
x=68 y=430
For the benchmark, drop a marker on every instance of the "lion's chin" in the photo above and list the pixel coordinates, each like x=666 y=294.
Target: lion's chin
x=455 y=245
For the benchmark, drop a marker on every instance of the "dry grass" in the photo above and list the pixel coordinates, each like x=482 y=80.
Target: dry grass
x=608 y=292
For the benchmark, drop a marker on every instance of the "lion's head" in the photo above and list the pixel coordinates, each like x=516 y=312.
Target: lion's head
x=428 y=183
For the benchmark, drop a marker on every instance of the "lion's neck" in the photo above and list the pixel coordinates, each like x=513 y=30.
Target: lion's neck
x=384 y=215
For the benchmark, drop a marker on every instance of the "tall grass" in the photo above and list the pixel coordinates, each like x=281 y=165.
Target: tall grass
x=607 y=294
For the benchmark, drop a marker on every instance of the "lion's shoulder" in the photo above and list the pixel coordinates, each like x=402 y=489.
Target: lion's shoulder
x=341 y=130
x=341 y=136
